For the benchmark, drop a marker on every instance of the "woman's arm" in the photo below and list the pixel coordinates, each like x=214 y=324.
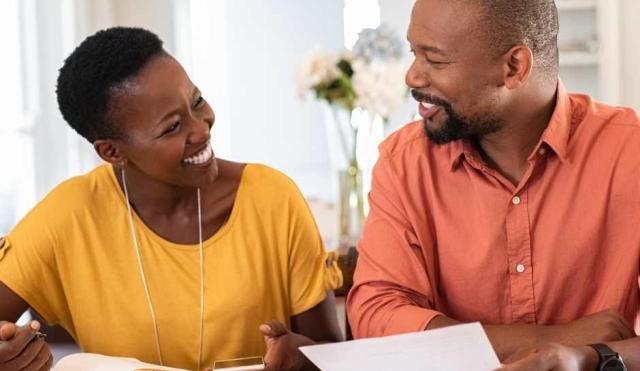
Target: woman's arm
x=20 y=348
x=316 y=325
x=319 y=323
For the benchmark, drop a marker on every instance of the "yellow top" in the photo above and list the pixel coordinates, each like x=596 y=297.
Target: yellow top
x=73 y=260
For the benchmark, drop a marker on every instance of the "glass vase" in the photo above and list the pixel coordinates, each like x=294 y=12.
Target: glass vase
x=351 y=206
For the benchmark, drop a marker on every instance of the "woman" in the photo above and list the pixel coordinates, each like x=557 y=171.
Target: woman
x=165 y=253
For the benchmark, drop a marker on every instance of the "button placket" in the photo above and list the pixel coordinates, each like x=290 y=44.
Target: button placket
x=519 y=260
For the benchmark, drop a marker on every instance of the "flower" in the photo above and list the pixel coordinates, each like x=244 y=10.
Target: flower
x=371 y=77
x=320 y=68
x=329 y=76
x=378 y=44
x=379 y=87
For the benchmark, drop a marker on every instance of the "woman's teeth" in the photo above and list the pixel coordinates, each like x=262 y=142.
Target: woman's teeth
x=201 y=157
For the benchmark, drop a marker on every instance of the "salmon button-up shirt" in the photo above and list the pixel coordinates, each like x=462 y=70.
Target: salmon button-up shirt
x=446 y=234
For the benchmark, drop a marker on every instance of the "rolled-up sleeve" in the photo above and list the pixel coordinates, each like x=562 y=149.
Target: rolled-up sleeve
x=392 y=290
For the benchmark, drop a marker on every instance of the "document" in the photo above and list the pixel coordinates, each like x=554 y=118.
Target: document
x=457 y=348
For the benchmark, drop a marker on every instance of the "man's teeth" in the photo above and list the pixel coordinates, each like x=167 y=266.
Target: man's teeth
x=201 y=157
x=427 y=105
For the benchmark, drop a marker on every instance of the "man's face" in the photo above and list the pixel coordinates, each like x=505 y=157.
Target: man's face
x=455 y=75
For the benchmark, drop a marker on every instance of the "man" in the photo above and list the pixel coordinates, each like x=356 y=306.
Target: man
x=511 y=203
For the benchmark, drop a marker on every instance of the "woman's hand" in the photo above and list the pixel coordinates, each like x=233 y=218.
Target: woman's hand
x=282 y=348
x=556 y=357
x=22 y=349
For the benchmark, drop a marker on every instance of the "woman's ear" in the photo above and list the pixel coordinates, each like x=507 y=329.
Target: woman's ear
x=109 y=151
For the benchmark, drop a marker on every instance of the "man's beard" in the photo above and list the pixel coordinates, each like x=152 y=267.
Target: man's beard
x=456 y=127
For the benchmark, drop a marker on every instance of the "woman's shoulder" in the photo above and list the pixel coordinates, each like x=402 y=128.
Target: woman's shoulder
x=81 y=190
x=73 y=199
x=265 y=178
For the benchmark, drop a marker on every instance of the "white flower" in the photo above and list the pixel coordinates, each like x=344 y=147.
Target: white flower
x=379 y=86
x=319 y=68
x=379 y=43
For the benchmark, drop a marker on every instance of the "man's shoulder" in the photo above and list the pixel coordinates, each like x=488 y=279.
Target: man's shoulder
x=606 y=114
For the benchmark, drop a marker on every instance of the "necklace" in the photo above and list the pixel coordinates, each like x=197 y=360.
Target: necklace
x=144 y=279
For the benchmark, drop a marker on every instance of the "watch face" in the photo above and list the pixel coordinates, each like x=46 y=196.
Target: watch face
x=613 y=364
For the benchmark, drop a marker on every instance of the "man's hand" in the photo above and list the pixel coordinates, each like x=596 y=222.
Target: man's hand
x=21 y=349
x=556 y=357
x=282 y=348
x=601 y=327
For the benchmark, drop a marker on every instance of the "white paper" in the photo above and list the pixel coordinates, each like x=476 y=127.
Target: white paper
x=456 y=348
x=97 y=362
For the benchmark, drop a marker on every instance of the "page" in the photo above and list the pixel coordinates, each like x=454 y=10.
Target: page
x=97 y=362
x=456 y=348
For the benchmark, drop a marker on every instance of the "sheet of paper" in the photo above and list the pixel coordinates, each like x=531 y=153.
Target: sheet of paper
x=456 y=348
x=97 y=362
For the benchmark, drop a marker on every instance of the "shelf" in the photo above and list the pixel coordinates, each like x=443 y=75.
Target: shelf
x=578 y=59
x=576 y=4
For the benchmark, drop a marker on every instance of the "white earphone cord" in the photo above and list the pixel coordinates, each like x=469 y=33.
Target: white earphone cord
x=144 y=279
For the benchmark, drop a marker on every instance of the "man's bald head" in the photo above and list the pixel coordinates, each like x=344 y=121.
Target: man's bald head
x=533 y=23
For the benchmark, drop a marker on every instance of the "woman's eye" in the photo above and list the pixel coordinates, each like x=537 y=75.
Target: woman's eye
x=172 y=128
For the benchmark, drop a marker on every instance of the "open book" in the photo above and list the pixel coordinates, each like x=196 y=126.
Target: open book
x=97 y=362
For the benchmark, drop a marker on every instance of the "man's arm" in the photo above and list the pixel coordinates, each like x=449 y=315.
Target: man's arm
x=512 y=342
x=584 y=358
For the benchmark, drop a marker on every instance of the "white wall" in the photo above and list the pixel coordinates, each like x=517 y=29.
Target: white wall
x=269 y=123
x=630 y=53
x=396 y=14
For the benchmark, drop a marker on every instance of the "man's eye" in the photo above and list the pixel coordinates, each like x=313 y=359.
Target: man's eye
x=172 y=128
x=199 y=101
x=437 y=64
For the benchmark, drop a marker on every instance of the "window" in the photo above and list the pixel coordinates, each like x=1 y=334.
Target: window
x=16 y=149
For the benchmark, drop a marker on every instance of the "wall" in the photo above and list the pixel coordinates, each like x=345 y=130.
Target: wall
x=630 y=53
x=269 y=123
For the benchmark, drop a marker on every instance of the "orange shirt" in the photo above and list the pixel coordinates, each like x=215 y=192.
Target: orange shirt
x=448 y=235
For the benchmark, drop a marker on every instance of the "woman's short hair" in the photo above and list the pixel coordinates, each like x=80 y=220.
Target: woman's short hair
x=98 y=65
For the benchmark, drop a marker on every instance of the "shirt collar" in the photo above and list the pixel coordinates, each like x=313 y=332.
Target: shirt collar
x=557 y=133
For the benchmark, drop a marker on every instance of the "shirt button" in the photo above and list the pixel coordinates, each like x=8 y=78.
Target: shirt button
x=542 y=151
x=520 y=268
x=515 y=200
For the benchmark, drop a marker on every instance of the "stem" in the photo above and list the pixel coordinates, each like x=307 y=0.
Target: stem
x=354 y=157
x=343 y=141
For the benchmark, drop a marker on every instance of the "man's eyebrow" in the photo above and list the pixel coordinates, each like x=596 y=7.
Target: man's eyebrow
x=429 y=48
x=432 y=49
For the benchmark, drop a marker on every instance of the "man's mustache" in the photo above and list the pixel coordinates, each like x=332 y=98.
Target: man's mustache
x=428 y=98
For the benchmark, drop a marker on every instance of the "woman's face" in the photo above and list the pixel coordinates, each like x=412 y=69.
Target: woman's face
x=165 y=125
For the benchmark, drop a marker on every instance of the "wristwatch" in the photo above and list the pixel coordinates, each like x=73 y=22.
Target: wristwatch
x=608 y=359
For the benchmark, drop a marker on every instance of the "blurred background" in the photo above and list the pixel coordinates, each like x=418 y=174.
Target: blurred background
x=243 y=54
